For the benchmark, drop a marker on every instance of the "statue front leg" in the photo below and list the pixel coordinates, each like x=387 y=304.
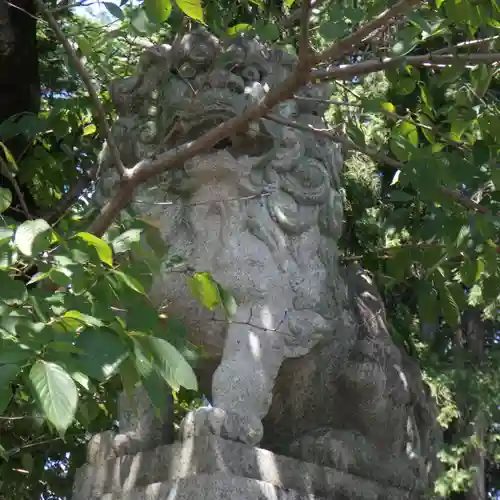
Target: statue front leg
x=242 y=386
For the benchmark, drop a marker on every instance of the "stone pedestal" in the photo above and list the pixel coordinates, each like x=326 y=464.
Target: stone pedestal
x=211 y=468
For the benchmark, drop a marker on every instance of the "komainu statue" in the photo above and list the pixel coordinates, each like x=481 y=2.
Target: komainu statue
x=306 y=366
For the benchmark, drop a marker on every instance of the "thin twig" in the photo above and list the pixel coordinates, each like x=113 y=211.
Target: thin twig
x=468 y=44
x=7 y=173
x=74 y=192
x=456 y=144
x=373 y=153
x=349 y=71
x=106 y=132
x=346 y=45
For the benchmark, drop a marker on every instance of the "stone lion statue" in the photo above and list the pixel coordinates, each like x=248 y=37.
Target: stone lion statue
x=262 y=213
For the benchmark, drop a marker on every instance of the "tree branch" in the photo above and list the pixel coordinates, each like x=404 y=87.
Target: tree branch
x=7 y=173
x=64 y=204
x=344 y=46
x=348 y=71
x=305 y=12
x=106 y=132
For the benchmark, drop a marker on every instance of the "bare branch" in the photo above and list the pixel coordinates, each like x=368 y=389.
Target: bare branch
x=469 y=44
x=88 y=84
x=346 y=45
x=377 y=155
x=64 y=204
x=348 y=71
x=305 y=12
x=7 y=173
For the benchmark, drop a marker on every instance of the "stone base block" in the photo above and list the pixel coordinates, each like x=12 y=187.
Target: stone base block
x=210 y=467
x=218 y=486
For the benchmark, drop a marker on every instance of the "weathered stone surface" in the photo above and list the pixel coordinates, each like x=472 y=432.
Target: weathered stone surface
x=211 y=487
x=227 y=463
x=307 y=366
x=366 y=411
x=262 y=216
x=140 y=425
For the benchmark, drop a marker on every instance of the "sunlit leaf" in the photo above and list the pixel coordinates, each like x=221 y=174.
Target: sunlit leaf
x=11 y=162
x=103 y=249
x=228 y=301
x=158 y=11
x=204 y=289
x=125 y=241
x=103 y=352
x=56 y=393
x=238 y=28
x=174 y=369
x=192 y=9
x=130 y=281
x=89 y=130
x=33 y=237
x=5 y=199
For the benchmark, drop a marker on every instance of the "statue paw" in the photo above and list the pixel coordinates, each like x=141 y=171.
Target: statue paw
x=230 y=425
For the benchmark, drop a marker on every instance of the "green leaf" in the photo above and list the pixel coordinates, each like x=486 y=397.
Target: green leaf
x=333 y=30
x=468 y=271
x=475 y=296
x=449 y=306
x=192 y=9
x=91 y=129
x=85 y=47
x=238 y=28
x=5 y=235
x=289 y=3
x=130 y=281
x=103 y=351
x=114 y=10
x=204 y=289
x=176 y=371
x=82 y=319
x=158 y=392
x=103 y=249
x=8 y=373
x=158 y=11
x=124 y=242
x=404 y=139
x=5 y=199
x=38 y=277
x=406 y=85
x=33 y=237
x=56 y=393
x=60 y=277
x=12 y=292
x=11 y=162
x=14 y=353
x=140 y=22
x=267 y=31
x=6 y=394
x=228 y=301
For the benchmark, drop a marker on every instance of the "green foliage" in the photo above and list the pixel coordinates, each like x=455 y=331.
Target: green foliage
x=81 y=329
